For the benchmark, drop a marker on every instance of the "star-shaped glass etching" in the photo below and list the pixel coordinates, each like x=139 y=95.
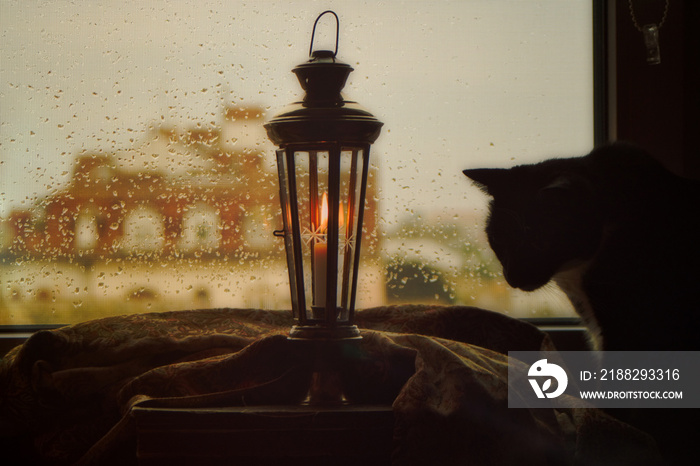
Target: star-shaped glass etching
x=348 y=242
x=314 y=235
x=319 y=234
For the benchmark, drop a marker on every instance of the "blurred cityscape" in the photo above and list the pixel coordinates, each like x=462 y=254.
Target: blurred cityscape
x=184 y=219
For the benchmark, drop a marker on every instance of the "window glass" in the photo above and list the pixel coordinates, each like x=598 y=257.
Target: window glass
x=135 y=174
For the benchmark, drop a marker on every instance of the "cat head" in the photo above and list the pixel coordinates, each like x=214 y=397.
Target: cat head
x=542 y=218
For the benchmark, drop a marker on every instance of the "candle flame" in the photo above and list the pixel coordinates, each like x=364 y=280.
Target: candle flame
x=323 y=223
x=324 y=212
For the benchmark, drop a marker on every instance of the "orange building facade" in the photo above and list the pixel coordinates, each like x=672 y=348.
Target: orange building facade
x=184 y=218
x=182 y=192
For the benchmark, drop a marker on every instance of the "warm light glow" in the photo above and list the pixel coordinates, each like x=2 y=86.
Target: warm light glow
x=323 y=224
x=324 y=212
x=289 y=216
x=320 y=257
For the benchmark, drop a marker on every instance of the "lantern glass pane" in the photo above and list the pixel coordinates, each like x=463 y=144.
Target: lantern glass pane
x=311 y=175
x=351 y=170
x=305 y=196
x=315 y=211
x=283 y=172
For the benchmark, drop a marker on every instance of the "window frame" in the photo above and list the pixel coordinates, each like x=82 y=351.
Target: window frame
x=567 y=332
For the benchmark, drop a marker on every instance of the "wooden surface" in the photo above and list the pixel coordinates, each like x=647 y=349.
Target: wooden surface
x=262 y=435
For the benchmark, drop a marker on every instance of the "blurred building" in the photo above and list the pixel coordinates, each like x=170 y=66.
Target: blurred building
x=184 y=219
x=199 y=204
x=180 y=191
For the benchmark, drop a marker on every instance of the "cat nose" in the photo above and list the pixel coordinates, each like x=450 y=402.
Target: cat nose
x=529 y=287
x=510 y=278
x=521 y=281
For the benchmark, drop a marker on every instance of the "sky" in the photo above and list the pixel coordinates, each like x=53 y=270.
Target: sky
x=458 y=83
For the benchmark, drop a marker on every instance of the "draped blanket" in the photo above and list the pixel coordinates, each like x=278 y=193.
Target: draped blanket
x=66 y=395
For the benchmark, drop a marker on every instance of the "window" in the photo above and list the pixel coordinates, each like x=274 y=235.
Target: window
x=135 y=174
x=87 y=235
x=143 y=231
x=200 y=229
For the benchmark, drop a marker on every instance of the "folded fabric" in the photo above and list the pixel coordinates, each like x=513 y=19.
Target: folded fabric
x=67 y=394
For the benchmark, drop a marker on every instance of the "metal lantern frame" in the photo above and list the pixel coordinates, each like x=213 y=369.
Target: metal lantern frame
x=324 y=148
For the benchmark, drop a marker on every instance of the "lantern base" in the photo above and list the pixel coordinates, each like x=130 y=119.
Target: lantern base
x=326 y=390
x=322 y=332
x=329 y=361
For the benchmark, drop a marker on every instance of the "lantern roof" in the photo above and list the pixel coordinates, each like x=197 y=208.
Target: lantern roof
x=323 y=115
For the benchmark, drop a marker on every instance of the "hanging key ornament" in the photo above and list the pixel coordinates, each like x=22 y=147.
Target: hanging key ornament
x=651 y=35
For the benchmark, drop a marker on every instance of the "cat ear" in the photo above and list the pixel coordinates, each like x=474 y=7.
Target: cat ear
x=487 y=179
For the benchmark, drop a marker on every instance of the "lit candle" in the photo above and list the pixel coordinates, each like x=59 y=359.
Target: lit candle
x=321 y=265
x=321 y=257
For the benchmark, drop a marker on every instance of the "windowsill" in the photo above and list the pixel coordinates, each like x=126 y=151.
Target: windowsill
x=15 y=335
x=566 y=333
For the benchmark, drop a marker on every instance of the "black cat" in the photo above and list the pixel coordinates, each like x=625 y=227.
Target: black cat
x=616 y=231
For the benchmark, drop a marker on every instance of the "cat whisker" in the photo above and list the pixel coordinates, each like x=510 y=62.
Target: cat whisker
x=553 y=291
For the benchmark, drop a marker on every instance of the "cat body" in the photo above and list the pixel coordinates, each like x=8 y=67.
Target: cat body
x=618 y=233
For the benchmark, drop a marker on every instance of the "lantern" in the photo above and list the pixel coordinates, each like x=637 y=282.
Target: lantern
x=323 y=159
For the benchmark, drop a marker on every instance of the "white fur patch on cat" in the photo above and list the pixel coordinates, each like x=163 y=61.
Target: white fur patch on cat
x=569 y=280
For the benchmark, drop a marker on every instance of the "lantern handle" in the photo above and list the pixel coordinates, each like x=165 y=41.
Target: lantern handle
x=337 y=32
